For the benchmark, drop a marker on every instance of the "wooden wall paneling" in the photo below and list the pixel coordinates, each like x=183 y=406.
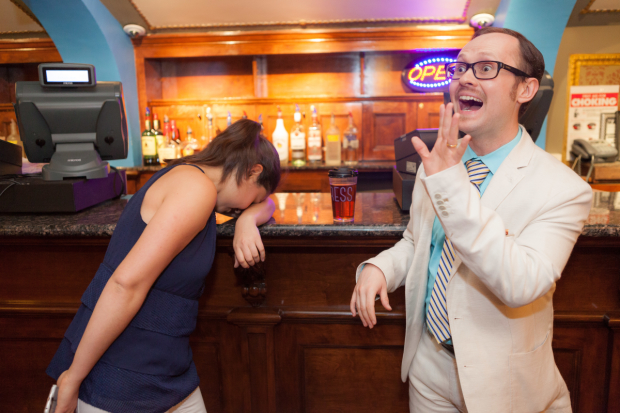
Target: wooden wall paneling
x=299 y=41
x=206 y=77
x=259 y=71
x=304 y=181
x=28 y=51
x=584 y=287
x=581 y=354
x=383 y=71
x=314 y=75
x=333 y=367
x=5 y=95
x=258 y=327
x=152 y=75
x=613 y=404
x=141 y=83
x=428 y=113
x=388 y=121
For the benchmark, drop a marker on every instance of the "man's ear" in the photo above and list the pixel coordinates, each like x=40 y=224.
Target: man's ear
x=527 y=90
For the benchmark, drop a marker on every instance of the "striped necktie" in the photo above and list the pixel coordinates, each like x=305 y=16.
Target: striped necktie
x=437 y=311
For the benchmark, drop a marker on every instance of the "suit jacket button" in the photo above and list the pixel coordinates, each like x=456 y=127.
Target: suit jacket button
x=444 y=213
x=438 y=196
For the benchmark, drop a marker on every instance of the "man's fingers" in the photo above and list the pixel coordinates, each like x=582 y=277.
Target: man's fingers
x=352 y=305
x=361 y=306
x=463 y=144
x=453 y=135
x=384 y=299
x=442 y=110
x=370 y=302
x=420 y=147
x=447 y=123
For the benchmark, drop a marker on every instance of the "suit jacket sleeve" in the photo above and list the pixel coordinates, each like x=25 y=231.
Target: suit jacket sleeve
x=396 y=261
x=517 y=269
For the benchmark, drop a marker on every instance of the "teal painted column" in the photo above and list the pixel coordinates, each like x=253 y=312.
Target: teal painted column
x=84 y=31
x=543 y=23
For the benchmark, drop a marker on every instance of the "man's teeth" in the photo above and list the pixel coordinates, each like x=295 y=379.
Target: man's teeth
x=470 y=98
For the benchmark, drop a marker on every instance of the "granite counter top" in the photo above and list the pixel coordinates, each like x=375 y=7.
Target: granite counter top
x=297 y=215
x=364 y=166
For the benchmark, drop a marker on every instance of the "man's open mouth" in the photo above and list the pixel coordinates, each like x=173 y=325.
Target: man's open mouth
x=469 y=103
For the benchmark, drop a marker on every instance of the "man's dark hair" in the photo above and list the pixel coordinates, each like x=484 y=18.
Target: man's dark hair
x=236 y=150
x=531 y=61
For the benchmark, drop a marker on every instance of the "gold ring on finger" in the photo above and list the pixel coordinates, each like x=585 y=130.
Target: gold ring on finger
x=451 y=146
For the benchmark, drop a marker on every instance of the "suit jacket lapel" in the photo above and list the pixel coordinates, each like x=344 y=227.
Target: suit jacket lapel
x=509 y=173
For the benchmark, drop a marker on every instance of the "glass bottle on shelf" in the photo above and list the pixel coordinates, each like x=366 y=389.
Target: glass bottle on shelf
x=190 y=145
x=298 y=141
x=170 y=150
x=245 y=115
x=280 y=139
x=228 y=119
x=350 y=144
x=315 y=147
x=149 y=143
x=174 y=132
x=159 y=135
x=13 y=136
x=332 y=144
x=210 y=130
x=260 y=121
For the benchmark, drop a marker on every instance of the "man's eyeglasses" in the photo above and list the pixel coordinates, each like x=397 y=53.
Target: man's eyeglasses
x=482 y=70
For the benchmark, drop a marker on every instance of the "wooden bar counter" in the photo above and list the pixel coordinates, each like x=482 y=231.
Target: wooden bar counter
x=281 y=338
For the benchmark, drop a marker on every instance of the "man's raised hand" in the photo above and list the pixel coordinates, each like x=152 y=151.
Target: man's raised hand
x=447 y=151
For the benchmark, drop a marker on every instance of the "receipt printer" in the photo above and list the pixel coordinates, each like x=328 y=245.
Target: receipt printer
x=408 y=162
x=407 y=158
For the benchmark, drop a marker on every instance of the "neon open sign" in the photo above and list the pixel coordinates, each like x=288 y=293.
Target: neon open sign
x=427 y=74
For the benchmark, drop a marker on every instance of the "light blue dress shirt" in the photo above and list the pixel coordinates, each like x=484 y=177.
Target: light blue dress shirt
x=493 y=161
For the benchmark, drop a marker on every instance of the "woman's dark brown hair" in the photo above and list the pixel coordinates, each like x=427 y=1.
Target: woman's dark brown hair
x=236 y=150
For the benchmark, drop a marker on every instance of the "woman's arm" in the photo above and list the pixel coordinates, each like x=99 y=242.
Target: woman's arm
x=183 y=212
x=247 y=243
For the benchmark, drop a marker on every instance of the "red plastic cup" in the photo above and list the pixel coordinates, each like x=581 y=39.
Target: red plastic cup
x=343 y=183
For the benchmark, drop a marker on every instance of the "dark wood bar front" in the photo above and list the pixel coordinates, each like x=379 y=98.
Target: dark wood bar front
x=281 y=338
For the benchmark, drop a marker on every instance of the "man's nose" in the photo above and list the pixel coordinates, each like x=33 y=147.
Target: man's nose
x=468 y=77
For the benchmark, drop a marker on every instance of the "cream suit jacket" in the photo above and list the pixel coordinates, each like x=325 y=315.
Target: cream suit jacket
x=512 y=245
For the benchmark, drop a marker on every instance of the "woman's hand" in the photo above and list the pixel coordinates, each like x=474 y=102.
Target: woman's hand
x=68 y=390
x=247 y=243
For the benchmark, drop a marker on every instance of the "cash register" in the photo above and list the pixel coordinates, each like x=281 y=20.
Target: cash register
x=408 y=161
x=73 y=124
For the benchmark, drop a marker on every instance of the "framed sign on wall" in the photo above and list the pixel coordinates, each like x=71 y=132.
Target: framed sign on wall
x=591 y=70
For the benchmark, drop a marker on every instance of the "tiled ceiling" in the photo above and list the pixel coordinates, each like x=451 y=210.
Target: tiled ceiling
x=165 y=14
x=17 y=19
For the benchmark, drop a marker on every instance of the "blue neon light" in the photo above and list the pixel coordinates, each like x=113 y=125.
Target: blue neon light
x=429 y=61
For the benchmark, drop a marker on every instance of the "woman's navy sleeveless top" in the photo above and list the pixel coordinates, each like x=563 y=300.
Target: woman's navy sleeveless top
x=149 y=367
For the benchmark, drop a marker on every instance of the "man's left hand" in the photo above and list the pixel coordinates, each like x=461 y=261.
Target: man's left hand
x=447 y=151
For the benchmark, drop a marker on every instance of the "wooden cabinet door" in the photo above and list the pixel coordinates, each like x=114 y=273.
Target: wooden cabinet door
x=382 y=123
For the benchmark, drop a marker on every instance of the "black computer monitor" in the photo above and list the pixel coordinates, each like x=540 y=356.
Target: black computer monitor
x=71 y=121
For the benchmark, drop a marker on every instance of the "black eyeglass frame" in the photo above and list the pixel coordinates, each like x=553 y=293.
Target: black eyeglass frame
x=500 y=66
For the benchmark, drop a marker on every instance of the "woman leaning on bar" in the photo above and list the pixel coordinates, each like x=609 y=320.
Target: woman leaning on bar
x=127 y=349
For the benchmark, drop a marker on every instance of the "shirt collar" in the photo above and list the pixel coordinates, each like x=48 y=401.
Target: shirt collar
x=494 y=159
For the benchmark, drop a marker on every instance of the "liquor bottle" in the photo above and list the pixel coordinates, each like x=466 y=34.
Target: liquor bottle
x=149 y=143
x=166 y=127
x=190 y=145
x=260 y=121
x=280 y=139
x=229 y=119
x=332 y=144
x=210 y=131
x=13 y=135
x=350 y=143
x=170 y=150
x=315 y=147
x=174 y=132
x=245 y=115
x=298 y=141
x=159 y=135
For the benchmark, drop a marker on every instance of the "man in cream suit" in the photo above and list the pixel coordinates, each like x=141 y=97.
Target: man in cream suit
x=493 y=221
